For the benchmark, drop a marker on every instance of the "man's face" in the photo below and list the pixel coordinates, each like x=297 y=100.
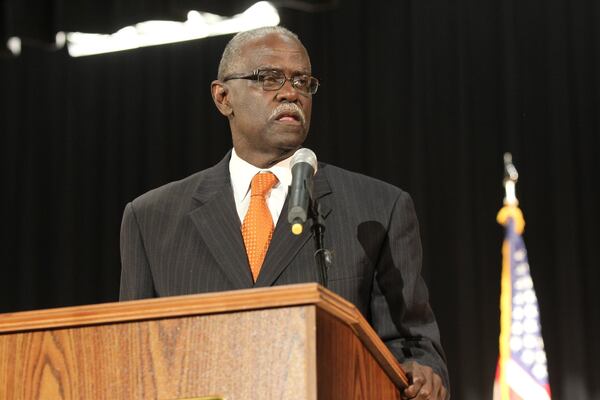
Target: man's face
x=269 y=125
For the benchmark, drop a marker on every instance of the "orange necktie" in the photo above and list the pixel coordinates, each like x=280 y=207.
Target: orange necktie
x=257 y=228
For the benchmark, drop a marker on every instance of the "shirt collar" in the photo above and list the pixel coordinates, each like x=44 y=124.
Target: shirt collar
x=242 y=172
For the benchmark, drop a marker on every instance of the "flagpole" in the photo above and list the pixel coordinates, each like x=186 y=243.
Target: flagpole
x=511 y=211
x=511 y=176
x=522 y=370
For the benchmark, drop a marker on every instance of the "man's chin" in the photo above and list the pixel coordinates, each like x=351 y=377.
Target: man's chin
x=290 y=139
x=285 y=150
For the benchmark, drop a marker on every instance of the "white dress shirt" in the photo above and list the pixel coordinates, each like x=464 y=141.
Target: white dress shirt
x=242 y=172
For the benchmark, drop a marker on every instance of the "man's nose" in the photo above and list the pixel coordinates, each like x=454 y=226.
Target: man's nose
x=288 y=92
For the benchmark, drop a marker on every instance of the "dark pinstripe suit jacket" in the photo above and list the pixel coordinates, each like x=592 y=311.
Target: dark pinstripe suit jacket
x=185 y=238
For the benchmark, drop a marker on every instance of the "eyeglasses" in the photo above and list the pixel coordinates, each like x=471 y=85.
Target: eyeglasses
x=272 y=79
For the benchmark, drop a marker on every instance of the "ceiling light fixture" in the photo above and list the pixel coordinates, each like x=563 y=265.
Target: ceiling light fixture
x=151 y=33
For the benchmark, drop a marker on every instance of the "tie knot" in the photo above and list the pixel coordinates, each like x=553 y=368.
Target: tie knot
x=262 y=183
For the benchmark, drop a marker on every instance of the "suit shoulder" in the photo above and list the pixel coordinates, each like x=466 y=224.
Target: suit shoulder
x=178 y=194
x=342 y=179
x=168 y=190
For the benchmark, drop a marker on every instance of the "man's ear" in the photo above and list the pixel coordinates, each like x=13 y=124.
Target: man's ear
x=220 y=95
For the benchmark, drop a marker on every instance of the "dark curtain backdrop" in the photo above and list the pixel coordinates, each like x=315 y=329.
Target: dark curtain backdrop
x=425 y=94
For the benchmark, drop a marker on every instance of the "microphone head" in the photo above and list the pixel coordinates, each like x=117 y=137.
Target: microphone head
x=304 y=155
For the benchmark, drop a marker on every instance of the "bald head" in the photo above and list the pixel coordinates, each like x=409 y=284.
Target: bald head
x=231 y=61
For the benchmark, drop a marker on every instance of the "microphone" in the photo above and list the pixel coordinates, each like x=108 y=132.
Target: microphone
x=304 y=166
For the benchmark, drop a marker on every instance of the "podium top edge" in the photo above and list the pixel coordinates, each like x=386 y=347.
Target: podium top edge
x=176 y=306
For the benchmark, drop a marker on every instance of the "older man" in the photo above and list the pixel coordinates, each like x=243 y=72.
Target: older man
x=220 y=229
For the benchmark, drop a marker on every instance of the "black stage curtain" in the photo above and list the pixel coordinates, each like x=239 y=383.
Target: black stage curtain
x=426 y=95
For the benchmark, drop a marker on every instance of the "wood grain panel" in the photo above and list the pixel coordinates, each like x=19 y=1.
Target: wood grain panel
x=349 y=315
x=231 y=355
x=345 y=368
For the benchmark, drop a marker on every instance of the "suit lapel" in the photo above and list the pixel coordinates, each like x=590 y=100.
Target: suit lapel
x=218 y=223
x=285 y=245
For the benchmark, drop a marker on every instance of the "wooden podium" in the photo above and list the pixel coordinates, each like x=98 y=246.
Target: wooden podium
x=281 y=343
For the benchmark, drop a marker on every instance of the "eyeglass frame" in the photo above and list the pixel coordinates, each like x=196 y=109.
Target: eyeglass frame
x=255 y=76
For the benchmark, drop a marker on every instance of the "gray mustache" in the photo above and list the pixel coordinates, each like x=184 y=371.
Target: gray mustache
x=288 y=107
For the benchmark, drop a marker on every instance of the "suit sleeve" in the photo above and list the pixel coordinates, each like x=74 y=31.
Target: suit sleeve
x=400 y=309
x=136 y=276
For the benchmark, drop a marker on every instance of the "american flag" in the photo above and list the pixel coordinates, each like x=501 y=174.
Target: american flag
x=522 y=372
